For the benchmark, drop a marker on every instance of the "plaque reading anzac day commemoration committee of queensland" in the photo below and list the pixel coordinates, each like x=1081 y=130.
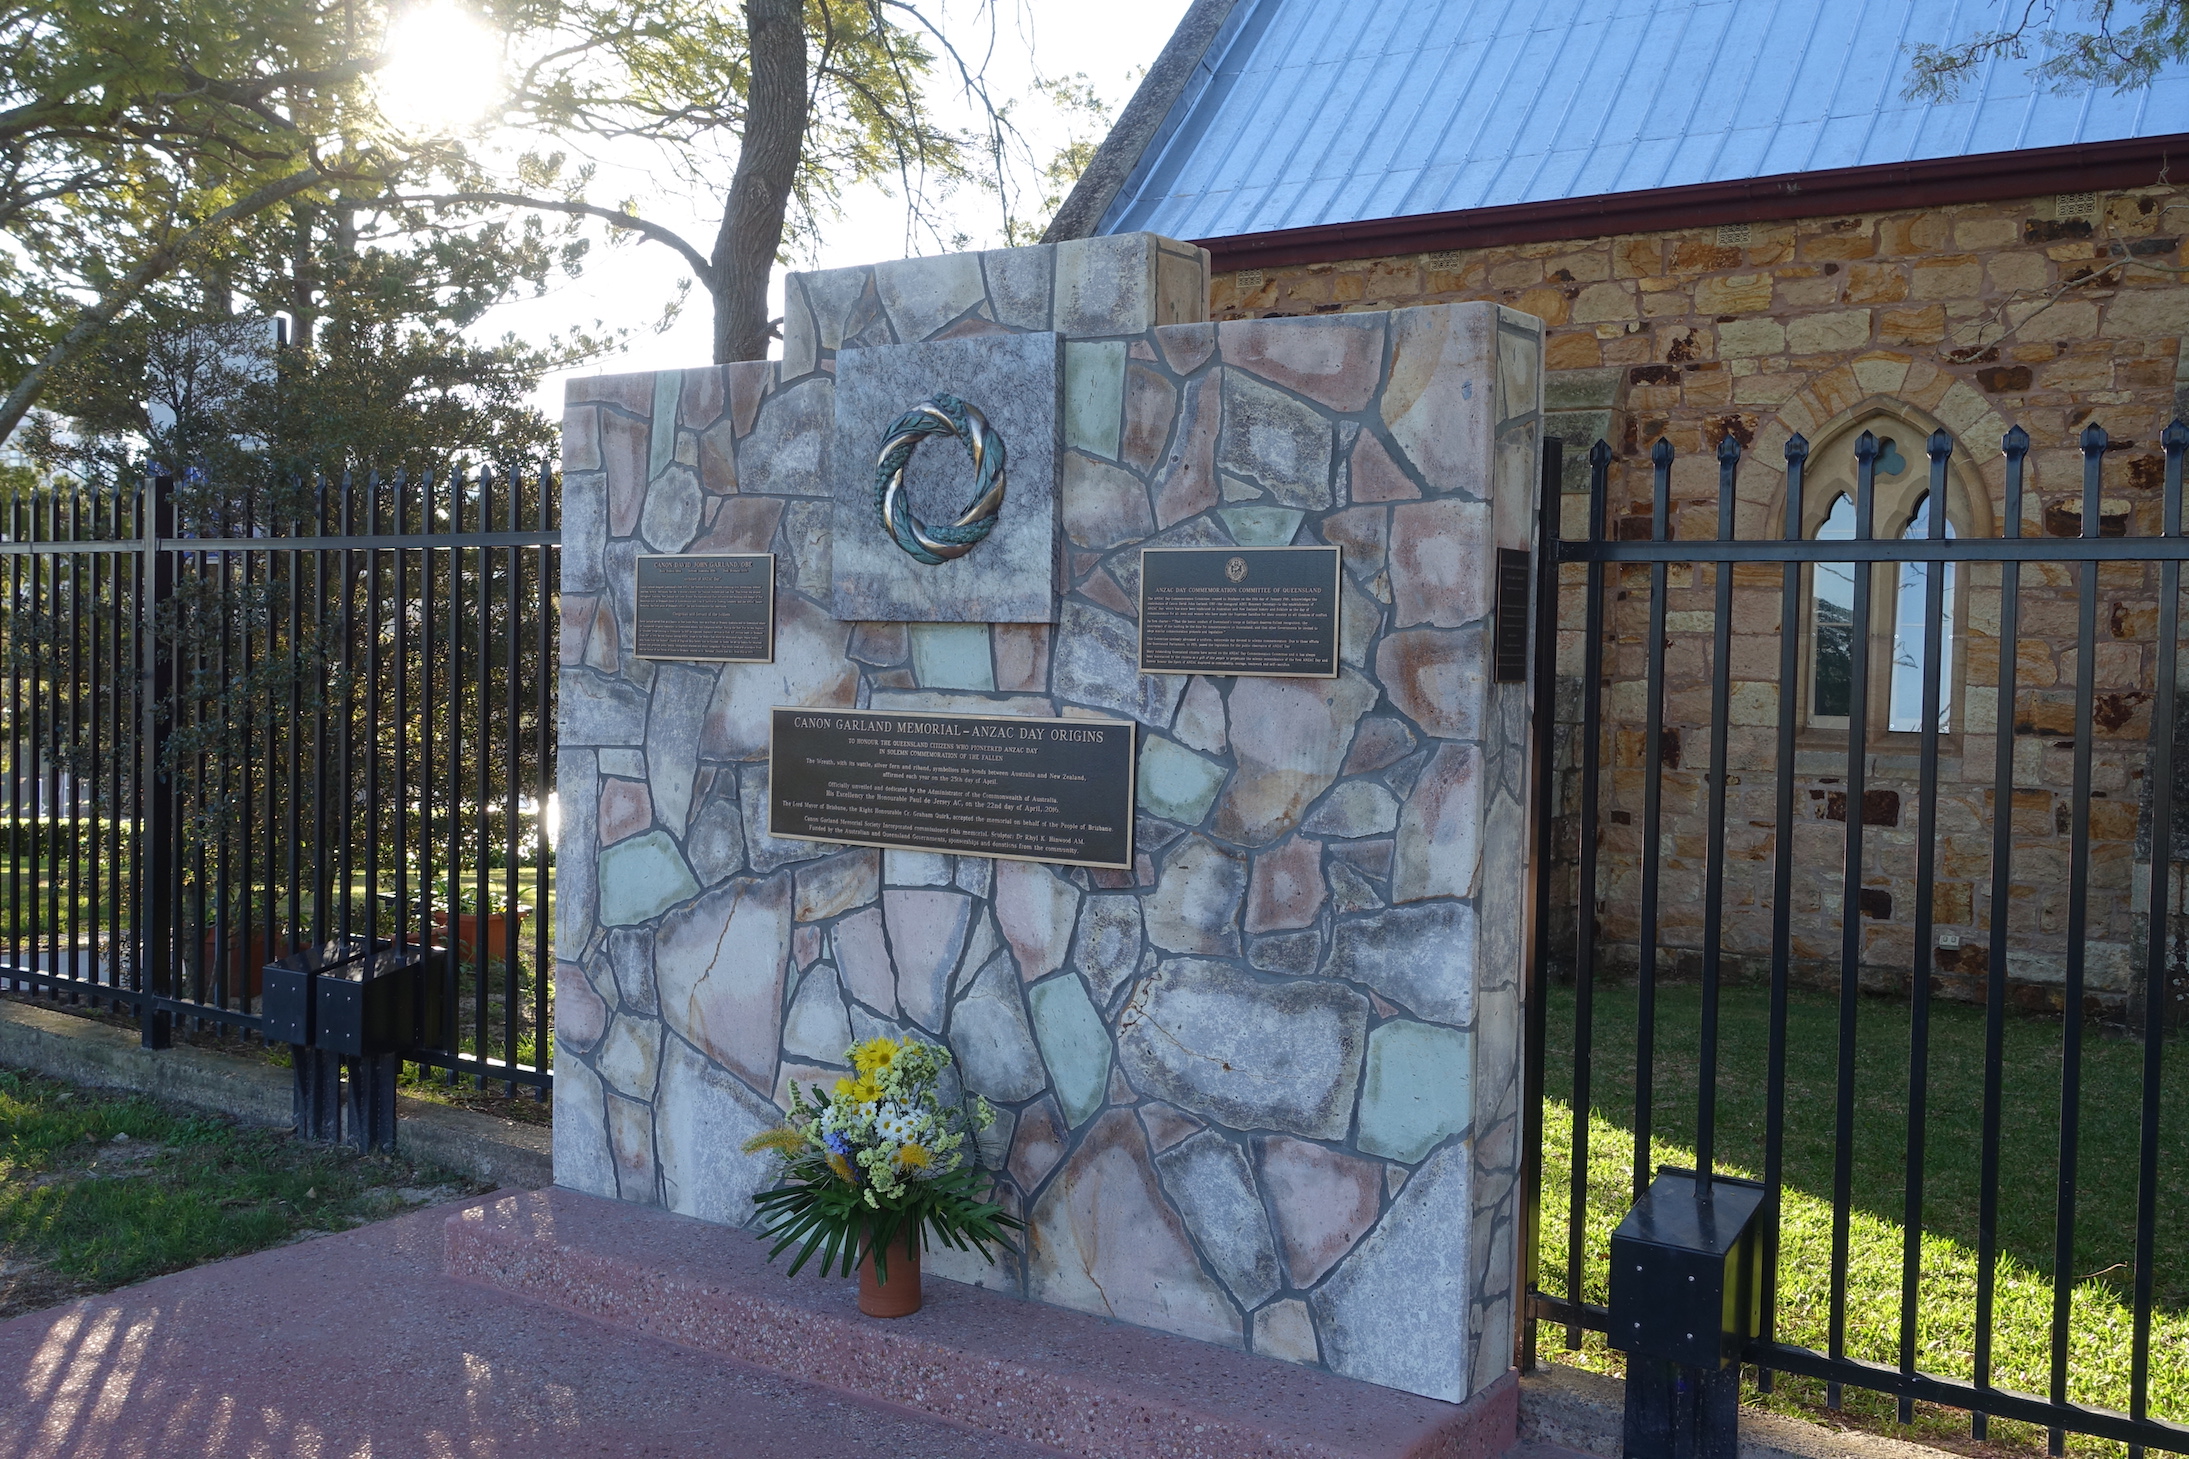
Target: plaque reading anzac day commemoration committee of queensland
x=1268 y=611
x=1015 y=786
x=713 y=607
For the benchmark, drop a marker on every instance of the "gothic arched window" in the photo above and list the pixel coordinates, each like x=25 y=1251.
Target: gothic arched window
x=1899 y=593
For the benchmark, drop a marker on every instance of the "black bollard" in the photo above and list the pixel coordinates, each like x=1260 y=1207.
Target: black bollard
x=1686 y=1295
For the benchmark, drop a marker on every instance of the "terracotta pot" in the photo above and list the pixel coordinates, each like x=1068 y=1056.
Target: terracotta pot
x=246 y=961
x=900 y=1295
x=501 y=932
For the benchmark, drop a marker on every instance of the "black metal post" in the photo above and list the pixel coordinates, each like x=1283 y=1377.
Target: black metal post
x=1678 y=1412
x=155 y=944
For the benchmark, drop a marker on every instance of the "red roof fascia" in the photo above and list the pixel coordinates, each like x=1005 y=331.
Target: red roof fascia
x=1985 y=177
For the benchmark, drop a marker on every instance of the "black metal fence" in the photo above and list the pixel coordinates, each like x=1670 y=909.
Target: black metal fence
x=238 y=725
x=1794 y=747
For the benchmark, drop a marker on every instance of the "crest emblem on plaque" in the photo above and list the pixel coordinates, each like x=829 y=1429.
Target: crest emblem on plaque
x=1236 y=569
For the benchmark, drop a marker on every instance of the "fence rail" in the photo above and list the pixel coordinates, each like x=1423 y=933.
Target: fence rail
x=1686 y=810
x=242 y=723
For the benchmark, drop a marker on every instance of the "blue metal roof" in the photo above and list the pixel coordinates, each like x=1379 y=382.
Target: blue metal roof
x=1306 y=112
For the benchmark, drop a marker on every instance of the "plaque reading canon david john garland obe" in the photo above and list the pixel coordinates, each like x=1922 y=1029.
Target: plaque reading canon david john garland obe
x=716 y=607
x=968 y=784
x=1269 y=611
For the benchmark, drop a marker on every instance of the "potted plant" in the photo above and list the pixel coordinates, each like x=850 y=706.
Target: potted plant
x=456 y=904
x=876 y=1167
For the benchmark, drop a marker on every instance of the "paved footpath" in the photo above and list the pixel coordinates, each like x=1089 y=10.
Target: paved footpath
x=356 y=1347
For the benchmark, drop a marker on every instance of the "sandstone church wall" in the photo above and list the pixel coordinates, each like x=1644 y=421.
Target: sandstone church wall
x=1974 y=317
x=1263 y=1088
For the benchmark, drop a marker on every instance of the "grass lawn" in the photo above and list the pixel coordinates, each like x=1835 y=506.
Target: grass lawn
x=2101 y=1319
x=99 y=1190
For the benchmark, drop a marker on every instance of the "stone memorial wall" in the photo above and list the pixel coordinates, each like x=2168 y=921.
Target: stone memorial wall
x=1262 y=1088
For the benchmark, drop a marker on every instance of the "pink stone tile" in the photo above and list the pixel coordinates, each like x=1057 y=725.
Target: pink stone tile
x=626 y=808
x=1334 y=360
x=805 y=946
x=1286 y=890
x=1103 y=589
x=1187 y=483
x=1036 y=909
x=1363 y=533
x=1186 y=347
x=718 y=459
x=1038 y=1144
x=604 y=646
x=631 y=1144
x=581 y=438
x=1140 y=349
x=1120 y=1091
x=748 y=384
x=577 y=619
x=701 y=403
x=743 y=524
x=719 y=966
x=1440 y=828
x=623 y=446
x=805 y=1076
x=1102 y=1239
x=580 y=1015
x=1435 y=677
x=1150 y=406
x=1166 y=1125
x=1325 y=1200
x=862 y=956
x=1439 y=556
x=1438 y=398
x=1375 y=477
x=632 y=391
x=1022 y=657
x=1380 y=741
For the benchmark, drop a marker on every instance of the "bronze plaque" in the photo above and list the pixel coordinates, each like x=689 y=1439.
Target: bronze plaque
x=1267 y=611
x=1006 y=785
x=713 y=607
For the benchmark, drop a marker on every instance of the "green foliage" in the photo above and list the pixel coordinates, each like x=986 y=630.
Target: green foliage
x=2120 y=43
x=881 y=1157
x=110 y=1189
x=2101 y=1278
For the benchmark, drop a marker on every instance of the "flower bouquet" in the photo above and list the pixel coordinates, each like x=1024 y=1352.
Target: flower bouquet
x=875 y=1167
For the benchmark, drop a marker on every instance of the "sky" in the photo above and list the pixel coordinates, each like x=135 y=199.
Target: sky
x=626 y=285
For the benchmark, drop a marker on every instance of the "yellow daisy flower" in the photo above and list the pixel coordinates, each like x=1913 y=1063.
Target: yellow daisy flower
x=914 y=1156
x=875 y=1055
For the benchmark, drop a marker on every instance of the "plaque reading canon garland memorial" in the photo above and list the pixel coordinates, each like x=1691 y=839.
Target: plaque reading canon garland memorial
x=710 y=607
x=1268 y=611
x=1013 y=786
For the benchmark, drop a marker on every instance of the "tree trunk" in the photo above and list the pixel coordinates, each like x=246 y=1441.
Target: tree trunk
x=767 y=163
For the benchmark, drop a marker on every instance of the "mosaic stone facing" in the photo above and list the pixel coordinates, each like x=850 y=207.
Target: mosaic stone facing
x=1262 y=1088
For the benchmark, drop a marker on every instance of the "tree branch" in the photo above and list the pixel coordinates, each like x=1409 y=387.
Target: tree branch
x=621 y=219
x=125 y=291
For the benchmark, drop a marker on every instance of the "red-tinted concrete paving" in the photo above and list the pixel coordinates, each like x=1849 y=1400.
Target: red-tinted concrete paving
x=356 y=1347
x=1019 y=1370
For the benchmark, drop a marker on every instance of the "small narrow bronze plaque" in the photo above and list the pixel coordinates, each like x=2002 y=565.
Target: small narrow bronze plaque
x=1014 y=786
x=1268 y=611
x=713 y=607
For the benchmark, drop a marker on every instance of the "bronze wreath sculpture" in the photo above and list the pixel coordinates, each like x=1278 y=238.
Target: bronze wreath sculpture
x=940 y=415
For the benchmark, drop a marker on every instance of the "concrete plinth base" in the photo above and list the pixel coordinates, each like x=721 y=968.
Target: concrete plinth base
x=973 y=1357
